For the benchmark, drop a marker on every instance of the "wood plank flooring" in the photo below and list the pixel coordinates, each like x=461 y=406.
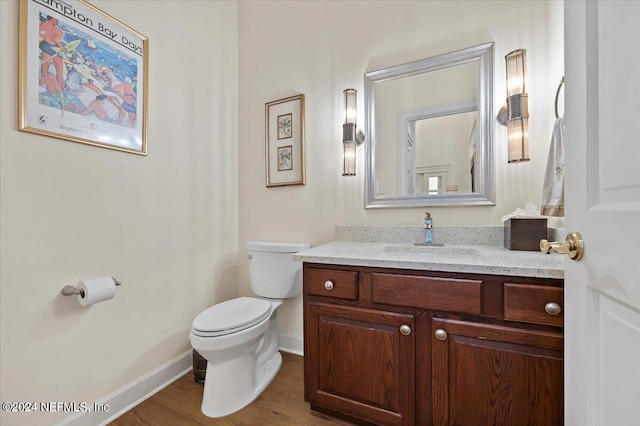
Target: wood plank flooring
x=282 y=403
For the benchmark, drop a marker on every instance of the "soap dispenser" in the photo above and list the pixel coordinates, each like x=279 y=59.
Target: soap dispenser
x=428 y=225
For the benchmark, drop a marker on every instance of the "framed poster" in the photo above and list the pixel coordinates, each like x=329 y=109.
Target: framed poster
x=83 y=75
x=284 y=141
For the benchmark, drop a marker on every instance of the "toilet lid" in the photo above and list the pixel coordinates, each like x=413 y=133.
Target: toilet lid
x=231 y=316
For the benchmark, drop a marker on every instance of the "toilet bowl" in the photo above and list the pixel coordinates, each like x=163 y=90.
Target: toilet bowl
x=239 y=337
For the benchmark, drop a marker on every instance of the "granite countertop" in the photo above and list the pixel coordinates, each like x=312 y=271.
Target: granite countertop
x=477 y=259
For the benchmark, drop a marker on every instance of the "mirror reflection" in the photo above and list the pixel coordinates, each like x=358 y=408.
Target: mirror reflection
x=430 y=131
x=441 y=155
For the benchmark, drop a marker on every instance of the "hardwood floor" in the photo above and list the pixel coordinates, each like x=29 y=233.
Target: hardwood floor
x=282 y=403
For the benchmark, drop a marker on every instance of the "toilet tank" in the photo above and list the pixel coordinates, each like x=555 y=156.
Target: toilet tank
x=272 y=271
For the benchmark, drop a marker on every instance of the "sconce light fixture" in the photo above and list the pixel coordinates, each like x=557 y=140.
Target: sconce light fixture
x=351 y=135
x=515 y=115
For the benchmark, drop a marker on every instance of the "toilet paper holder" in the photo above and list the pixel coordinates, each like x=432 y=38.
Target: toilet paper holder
x=69 y=290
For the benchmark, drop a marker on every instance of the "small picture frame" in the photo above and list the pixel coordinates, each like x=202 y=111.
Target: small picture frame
x=284 y=141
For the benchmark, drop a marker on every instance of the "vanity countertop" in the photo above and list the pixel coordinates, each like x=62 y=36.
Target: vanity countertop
x=493 y=260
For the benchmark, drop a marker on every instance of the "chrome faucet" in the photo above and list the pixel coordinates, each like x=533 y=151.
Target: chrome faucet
x=428 y=226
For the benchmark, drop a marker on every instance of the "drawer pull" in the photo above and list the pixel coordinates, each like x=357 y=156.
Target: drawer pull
x=328 y=284
x=405 y=330
x=441 y=334
x=552 y=308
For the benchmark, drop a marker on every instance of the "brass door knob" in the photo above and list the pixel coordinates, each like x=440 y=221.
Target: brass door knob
x=572 y=246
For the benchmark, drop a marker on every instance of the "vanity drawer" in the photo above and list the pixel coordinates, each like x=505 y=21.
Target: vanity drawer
x=442 y=294
x=332 y=283
x=534 y=304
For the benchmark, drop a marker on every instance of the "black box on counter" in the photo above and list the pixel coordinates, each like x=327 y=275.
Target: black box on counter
x=524 y=233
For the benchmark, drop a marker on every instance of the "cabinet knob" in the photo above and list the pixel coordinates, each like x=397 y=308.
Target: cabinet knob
x=328 y=284
x=441 y=334
x=405 y=330
x=552 y=308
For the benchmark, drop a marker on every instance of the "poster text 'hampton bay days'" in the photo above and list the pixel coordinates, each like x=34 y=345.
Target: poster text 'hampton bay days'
x=70 y=12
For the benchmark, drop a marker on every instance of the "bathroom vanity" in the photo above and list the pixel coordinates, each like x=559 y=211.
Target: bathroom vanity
x=400 y=335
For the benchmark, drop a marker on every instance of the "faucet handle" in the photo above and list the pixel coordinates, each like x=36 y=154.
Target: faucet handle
x=427 y=215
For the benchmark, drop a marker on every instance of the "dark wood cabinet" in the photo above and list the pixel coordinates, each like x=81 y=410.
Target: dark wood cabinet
x=401 y=347
x=495 y=375
x=365 y=362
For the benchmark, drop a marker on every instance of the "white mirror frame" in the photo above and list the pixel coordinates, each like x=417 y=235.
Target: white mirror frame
x=485 y=185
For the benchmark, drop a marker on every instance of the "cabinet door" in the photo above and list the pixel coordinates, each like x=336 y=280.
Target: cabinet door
x=487 y=374
x=361 y=363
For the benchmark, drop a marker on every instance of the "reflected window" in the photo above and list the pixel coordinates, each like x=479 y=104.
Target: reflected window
x=431 y=179
x=435 y=186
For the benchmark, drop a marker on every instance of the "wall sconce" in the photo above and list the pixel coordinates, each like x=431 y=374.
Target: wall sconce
x=515 y=115
x=351 y=135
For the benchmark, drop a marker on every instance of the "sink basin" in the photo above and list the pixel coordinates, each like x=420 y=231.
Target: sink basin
x=432 y=252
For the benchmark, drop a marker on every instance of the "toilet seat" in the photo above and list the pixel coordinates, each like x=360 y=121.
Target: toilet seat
x=230 y=317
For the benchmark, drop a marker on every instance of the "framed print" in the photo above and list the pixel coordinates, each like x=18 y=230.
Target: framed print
x=284 y=126
x=284 y=158
x=284 y=141
x=83 y=75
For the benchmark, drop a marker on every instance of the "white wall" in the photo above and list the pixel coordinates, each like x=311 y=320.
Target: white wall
x=164 y=224
x=321 y=48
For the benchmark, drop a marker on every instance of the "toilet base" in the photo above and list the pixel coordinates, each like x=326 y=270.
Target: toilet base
x=239 y=365
x=220 y=401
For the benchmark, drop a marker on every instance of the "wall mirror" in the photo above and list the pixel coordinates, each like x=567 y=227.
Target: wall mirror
x=429 y=126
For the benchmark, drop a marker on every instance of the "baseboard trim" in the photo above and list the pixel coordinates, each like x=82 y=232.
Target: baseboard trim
x=132 y=394
x=291 y=343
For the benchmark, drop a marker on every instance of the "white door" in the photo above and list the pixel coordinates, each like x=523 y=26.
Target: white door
x=602 y=154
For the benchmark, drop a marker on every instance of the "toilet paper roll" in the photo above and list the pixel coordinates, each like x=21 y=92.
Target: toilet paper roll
x=96 y=290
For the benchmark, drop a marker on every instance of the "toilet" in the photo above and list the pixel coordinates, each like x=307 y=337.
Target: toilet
x=239 y=337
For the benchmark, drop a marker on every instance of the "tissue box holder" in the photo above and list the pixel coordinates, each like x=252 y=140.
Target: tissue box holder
x=524 y=233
